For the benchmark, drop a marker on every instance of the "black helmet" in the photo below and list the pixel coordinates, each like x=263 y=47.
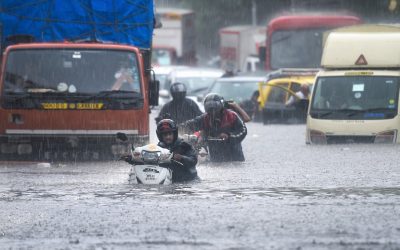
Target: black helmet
x=213 y=103
x=166 y=125
x=178 y=91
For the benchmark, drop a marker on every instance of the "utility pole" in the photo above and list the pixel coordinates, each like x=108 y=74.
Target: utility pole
x=254 y=13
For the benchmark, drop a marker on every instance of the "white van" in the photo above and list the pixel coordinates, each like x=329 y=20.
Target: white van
x=355 y=98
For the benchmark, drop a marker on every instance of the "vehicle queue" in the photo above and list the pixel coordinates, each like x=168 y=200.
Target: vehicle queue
x=357 y=68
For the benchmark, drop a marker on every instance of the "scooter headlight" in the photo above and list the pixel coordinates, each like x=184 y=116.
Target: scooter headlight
x=151 y=156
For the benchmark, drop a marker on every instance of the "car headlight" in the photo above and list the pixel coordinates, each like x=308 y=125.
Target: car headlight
x=151 y=156
x=386 y=137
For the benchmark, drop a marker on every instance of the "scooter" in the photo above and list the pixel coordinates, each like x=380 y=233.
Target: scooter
x=146 y=164
x=200 y=145
x=146 y=167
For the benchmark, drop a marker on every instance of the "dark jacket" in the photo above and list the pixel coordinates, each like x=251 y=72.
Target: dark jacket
x=187 y=171
x=231 y=124
x=179 y=111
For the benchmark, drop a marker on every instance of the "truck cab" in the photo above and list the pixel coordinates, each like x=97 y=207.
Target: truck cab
x=296 y=41
x=67 y=91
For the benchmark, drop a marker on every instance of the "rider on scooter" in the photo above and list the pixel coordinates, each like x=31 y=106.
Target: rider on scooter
x=221 y=123
x=184 y=157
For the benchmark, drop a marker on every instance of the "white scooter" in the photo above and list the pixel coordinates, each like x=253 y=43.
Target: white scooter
x=146 y=162
x=146 y=165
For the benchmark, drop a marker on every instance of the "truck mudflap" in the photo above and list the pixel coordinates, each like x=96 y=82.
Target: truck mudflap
x=28 y=147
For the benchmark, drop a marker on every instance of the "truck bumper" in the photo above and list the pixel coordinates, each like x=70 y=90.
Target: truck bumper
x=27 y=147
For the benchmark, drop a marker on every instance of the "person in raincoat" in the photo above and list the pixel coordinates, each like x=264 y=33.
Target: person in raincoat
x=184 y=157
x=180 y=109
x=222 y=128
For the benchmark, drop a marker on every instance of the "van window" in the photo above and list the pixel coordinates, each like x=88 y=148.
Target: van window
x=356 y=97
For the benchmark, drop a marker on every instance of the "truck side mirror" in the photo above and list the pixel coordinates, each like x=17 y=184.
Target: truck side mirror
x=153 y=92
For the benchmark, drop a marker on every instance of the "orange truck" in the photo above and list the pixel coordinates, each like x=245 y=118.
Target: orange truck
x=72 y=76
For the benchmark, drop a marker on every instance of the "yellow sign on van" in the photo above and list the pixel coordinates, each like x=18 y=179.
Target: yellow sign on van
x=80 y=106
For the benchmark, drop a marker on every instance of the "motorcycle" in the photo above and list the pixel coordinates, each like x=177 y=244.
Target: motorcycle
x=146 y=164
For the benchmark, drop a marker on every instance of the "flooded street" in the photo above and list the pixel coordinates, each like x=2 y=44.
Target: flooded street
x=285 y=196
x=75 y=74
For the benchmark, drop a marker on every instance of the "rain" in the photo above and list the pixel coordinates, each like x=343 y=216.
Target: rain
x=315 y=83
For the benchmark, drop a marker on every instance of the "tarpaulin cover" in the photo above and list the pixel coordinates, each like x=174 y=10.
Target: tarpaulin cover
x=118 y=21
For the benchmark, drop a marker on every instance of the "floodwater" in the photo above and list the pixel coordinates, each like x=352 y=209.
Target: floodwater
x=287 y=195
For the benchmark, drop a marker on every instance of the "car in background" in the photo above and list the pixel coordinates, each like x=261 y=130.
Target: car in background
x=239 y=89
x=161 y=73
x=276 y=91
x=197 y=81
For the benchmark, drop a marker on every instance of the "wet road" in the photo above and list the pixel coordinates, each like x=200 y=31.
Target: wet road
x=285 y=196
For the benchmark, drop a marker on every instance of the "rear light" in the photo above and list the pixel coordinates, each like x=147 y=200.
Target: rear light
x=386 y=137
x=317 y=137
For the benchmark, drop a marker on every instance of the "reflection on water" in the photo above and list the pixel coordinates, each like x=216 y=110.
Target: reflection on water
x=285 y=196
x=196 y=191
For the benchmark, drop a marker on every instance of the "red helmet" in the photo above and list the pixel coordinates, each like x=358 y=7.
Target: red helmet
x=166 y=125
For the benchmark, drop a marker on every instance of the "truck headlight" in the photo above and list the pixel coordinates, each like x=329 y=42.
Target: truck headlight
x=386 y=137
x=317 y=137
x=8 y=148
x=24 y=149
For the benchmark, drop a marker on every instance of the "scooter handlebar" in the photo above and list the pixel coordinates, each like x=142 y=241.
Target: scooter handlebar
x=214 y=139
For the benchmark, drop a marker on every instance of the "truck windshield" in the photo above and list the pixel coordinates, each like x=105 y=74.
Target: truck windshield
x=70 y=75
x=355 y=98
x=296 y=48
